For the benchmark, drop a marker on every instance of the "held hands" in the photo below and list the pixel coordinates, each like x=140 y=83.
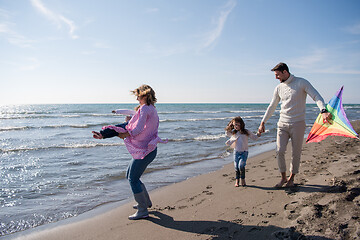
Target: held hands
x=261 y=129
x=327 y=117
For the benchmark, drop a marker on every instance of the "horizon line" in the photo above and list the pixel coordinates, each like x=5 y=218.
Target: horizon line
x=105 y=103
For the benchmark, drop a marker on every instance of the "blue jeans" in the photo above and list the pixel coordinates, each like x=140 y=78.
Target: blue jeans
x=240 y=163
x=136 y=168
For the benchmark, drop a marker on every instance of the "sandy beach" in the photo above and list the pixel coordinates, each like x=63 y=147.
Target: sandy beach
x=324 y=204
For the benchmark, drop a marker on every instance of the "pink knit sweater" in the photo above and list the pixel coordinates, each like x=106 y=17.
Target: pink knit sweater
x=143 y=130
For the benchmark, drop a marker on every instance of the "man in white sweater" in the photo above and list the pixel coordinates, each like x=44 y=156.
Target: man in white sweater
x=292 y=92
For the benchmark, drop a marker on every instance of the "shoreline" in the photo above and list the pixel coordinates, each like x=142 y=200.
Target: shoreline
x=324 y=203
x=122 y=206
x=190 y=169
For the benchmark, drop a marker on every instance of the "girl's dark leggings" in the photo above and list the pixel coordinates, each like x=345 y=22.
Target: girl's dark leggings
x=109 y=133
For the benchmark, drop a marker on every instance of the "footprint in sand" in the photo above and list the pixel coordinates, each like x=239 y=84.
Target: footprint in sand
x=238 y=221
x=208 y=192
x=290 y=209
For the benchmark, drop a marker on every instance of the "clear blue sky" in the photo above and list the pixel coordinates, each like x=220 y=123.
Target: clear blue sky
x=87 y=51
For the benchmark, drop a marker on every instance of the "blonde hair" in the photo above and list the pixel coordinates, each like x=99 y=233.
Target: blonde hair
x=146 y=90
x=230 y=127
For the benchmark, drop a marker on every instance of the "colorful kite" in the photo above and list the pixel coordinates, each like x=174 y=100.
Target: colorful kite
x=339 y=126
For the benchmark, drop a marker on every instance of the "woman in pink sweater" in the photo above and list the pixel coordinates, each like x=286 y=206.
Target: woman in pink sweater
x=141 y=138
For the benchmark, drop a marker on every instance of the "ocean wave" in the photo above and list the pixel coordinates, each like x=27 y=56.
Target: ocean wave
x=52 y=116
x=355 y=106
x=209 y=112
x=101 y=115
x=246 y=111
x=65 y=146
x=205 y=119
x=4 y=129
x=193 y=119
x=12 y=116
x=187 y=112
x=21 y=128
x=36 y=116
x=209 y=137
x=37 y=220
x=198 y=138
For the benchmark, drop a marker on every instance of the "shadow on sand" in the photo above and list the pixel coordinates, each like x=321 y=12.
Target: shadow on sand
x=228 y=229
x=311 y=188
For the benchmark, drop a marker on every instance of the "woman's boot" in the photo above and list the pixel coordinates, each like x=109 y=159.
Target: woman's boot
x=147 y=197
x=142 y=211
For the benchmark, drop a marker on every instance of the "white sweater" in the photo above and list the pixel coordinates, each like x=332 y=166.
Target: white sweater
x=240 y=140
x=292 y=94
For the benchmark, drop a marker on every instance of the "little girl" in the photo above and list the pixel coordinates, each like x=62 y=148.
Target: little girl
x=112 y=131
x=239 y=141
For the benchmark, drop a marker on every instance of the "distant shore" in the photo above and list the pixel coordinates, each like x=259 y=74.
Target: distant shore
x=323 y=205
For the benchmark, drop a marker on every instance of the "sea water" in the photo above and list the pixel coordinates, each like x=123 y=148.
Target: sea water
x=51 y=168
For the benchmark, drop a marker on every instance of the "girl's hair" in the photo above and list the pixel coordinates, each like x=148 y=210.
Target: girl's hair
x=231 y=126
x=145 y=90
